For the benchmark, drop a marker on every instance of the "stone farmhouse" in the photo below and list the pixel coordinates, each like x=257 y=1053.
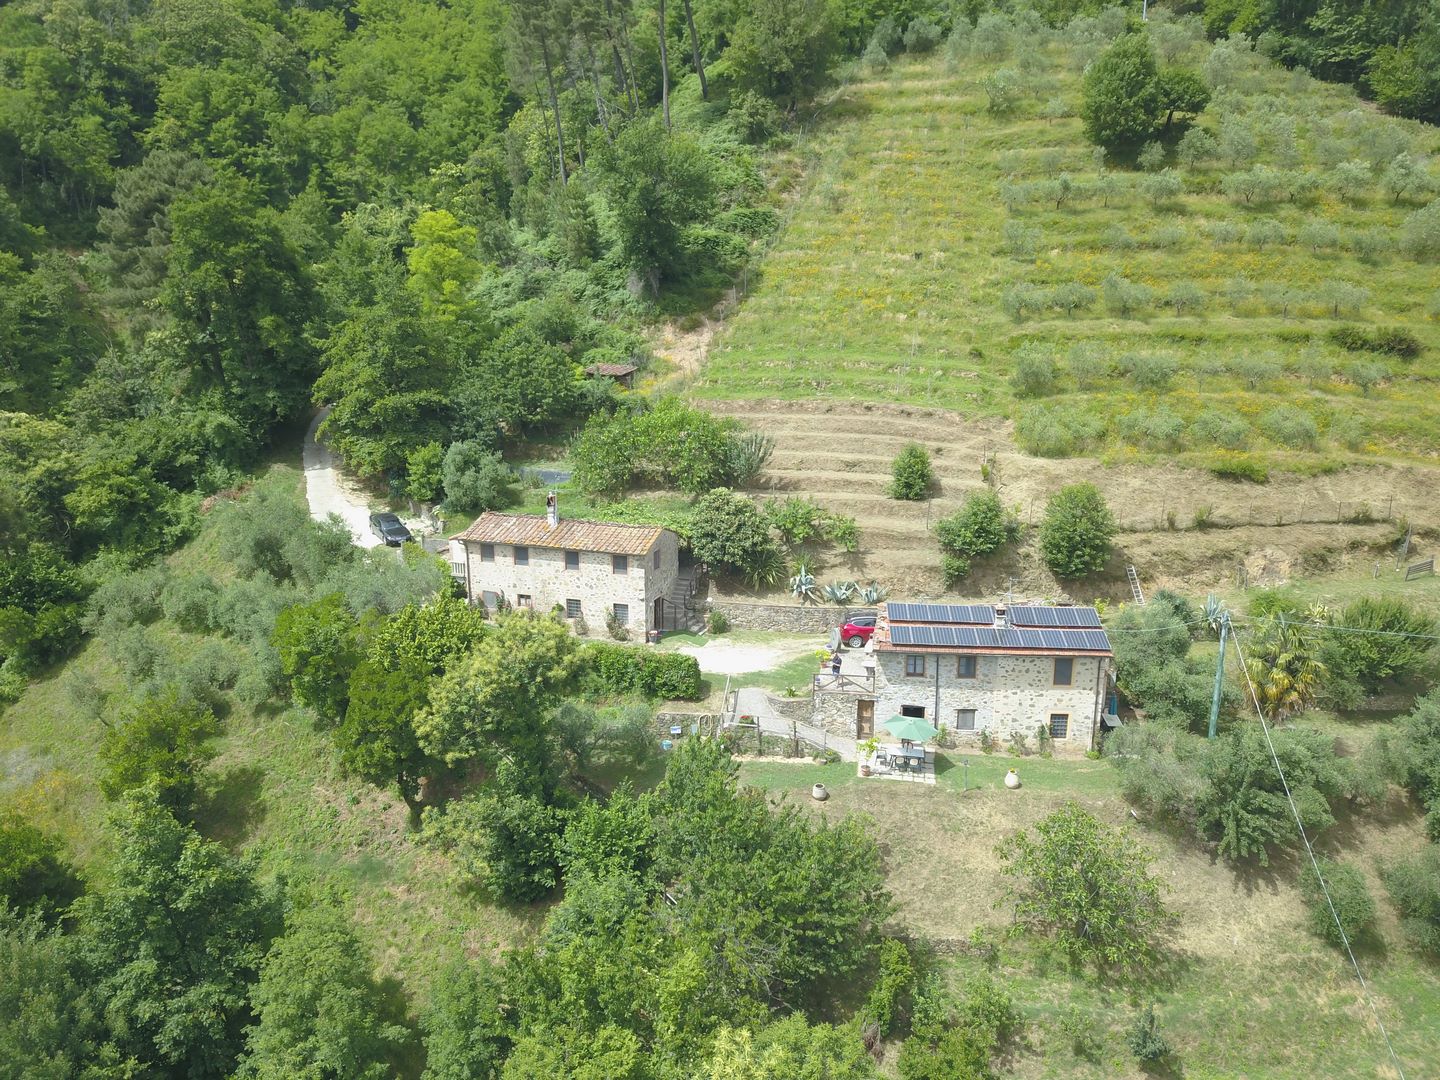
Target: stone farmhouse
x=974 y=668
x=593 y=571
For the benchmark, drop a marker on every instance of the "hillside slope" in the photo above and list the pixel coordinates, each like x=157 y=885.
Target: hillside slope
x=899 y=271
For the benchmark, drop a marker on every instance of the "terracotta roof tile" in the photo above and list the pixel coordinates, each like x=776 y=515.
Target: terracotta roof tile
x=572 y=534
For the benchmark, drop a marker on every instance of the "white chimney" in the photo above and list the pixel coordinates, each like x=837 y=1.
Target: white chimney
x=552 y=509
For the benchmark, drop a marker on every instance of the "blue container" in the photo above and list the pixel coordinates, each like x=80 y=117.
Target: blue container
x=666 y=744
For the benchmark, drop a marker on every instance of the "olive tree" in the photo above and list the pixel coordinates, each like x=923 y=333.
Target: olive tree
x=1089 y=889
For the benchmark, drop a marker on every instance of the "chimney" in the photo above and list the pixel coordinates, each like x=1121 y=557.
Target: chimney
x=1000 y=616
x=552 y=510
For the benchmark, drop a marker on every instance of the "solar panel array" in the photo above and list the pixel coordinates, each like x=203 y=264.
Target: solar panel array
x=964 y=614
x=1077 y=618
x=1000 y=637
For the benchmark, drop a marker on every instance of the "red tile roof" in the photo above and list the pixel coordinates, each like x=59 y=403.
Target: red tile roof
x=572 y=534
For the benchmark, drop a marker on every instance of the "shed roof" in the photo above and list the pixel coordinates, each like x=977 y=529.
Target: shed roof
x=611 y=371
x=572 y=534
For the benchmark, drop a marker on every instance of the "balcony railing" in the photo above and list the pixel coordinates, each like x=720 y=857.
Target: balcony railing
x=843 y=684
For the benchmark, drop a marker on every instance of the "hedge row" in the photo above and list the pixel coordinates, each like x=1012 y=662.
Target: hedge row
x=628 y=669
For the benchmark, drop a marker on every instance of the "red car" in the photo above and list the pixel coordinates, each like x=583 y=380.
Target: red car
x=857 y=630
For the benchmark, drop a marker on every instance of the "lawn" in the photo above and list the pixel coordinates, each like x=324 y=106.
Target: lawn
x=1249 y=993
x=890 y=282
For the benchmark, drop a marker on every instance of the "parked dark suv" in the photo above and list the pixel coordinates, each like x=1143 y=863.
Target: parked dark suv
x=390 y=529
x=857 y=630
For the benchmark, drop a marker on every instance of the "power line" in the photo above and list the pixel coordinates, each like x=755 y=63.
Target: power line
x=1314 y=863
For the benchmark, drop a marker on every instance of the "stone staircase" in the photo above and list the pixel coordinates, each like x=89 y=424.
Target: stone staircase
x=685 y=602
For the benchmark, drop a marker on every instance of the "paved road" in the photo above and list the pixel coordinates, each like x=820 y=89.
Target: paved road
x=327 y=490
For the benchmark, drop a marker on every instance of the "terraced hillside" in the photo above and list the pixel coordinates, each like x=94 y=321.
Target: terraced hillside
x=1200 y=309
x=840 y=454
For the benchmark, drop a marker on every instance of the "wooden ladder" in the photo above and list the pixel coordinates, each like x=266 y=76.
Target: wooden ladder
x=1135 y=589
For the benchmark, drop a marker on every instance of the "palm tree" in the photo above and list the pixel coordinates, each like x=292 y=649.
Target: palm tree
x=1283 y=666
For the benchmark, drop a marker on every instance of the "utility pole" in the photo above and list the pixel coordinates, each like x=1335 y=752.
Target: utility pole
x=1219 y=674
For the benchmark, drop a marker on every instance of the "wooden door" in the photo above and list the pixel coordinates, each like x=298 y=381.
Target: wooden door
x=864 y=719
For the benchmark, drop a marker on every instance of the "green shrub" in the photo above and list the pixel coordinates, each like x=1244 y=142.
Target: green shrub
x=1145 y=1040
x=1059 y=431
x=922 y=35
x=1225 y=430
x=716 y=622
x=1154 y=429
x=729 y=535
x=911 y=474
x=1350 y=897
x=502 y=841
x=1076 y=533
x=619 y=670
x=476 y=479
x=954 y=568
x=1414 y=887
x=1233 y=466
x=191 y=602
x=1035 y=374
x=1390 y=340
x=1291 y=427
x=978 y=528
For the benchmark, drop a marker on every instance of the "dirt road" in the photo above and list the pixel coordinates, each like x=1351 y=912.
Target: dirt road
x=329 y=491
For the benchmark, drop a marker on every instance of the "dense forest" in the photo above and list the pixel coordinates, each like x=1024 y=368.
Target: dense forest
x=431 y=217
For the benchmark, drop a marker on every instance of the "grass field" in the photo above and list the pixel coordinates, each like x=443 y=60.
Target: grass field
x=889 y=283
x=1249 y=992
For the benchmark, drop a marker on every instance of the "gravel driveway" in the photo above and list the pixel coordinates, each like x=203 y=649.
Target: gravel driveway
x=740 y=658
x=328 y=491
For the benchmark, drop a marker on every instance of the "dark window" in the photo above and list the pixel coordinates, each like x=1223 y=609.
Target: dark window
x=1064 y=670
x=622 y=614
x=1059 y=725
x=619 y=564
x=487 y=552
x=655 y=559
x=523 y=600
x=964 y=719
x=965 y=667
x=572 y=609
x=913 y=710
x=522 y=556
x=914 y=665
x=572 y=560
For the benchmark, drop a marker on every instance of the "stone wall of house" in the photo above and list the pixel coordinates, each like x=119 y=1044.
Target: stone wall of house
x=596 y=584
x=794 y=618
x=835 y=713
x=1010 y=694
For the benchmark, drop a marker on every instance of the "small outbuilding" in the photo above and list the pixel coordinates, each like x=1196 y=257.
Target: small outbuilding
x=624 y=374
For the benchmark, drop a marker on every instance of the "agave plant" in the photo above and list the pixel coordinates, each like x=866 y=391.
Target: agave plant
x=766 y=569
x=840 y=592
x=803 y=586
x=873 y=594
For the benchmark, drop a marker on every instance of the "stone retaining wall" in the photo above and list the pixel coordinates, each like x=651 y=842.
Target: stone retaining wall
x=835 y=713
x=797 y=619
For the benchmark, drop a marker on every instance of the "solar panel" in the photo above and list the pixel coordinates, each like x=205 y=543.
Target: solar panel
x=1063 y=617
x=1003 y=637
x=962 y=614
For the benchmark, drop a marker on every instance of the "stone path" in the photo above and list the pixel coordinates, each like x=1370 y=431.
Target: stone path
x=754 y=701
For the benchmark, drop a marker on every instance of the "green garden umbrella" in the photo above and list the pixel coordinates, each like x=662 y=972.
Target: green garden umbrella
x=911 y=728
